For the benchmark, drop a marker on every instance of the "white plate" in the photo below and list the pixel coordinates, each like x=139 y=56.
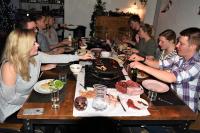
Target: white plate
x=37 y=87
x=155 y=85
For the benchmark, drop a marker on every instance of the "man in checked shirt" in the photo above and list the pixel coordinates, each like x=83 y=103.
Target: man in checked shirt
x=184 y=76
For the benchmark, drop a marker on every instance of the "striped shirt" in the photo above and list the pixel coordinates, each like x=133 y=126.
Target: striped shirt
x=168 y=56
x=171 y=58
x=187 y=84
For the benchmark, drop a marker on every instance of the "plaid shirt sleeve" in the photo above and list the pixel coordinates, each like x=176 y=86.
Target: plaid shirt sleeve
x=189 y=71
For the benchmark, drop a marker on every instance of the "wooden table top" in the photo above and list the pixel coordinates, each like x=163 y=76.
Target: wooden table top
x=65 y=112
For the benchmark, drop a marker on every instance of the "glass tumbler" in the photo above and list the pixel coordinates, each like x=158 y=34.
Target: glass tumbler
x=62 y=77
x=55 y=99
x=152 y=95
x=99 y=103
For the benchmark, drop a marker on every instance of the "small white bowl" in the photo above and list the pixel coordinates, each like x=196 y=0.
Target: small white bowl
x=75 y=68
x=105 y=54
x=83 y=46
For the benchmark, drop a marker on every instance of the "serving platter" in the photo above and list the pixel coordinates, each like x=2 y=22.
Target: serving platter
x=155 y=85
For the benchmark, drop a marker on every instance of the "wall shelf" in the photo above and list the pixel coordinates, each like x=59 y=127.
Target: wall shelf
x=34 y=6
x=43 y=1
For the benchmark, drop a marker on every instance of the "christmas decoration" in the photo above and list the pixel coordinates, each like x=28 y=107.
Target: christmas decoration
x=99 y=9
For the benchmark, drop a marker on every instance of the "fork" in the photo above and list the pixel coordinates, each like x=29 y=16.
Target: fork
x=118 y=99
x=83 y=86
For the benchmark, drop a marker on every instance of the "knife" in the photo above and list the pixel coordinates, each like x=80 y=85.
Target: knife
x=165 y=101
x=118 y=99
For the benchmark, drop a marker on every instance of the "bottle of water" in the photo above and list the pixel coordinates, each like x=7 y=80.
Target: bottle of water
x=70 y=39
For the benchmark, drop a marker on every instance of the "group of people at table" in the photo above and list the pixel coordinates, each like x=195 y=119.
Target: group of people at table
x=21 y=63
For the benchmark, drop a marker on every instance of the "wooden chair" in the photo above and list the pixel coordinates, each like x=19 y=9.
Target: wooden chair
x=11 y=127
x=195 y=126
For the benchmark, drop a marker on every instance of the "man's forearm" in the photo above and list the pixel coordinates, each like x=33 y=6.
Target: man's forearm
x=160 y=74
x=152 y=63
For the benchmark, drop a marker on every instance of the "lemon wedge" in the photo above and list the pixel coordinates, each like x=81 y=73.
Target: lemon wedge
x=58 y=84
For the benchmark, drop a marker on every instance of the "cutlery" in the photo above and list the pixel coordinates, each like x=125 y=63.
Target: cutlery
x=140 y=102
x=41 y=74
x=163 y=100
x=118 y=99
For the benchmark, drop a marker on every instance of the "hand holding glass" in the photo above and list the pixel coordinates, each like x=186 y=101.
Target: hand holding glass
x=152 y=95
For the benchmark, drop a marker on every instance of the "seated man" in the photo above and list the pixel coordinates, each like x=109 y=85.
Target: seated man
x=51 y=34
x=134 y=24
x=40 y=21
x=184 y=74
x=37 y=22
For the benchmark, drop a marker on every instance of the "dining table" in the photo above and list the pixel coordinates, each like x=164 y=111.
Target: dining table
x=161 y=113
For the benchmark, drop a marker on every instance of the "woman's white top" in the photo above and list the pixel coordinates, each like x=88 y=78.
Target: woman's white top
x=13 y=97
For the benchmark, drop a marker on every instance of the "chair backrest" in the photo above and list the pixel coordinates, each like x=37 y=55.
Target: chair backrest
x=199 y=102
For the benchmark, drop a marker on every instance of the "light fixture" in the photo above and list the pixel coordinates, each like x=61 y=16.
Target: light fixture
x=143 y=2
x=140 y=3
x=137 y=7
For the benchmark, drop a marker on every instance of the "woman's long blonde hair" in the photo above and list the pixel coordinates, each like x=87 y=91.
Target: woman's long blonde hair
x=17 y=51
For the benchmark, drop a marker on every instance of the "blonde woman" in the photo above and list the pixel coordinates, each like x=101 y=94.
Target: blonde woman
x=20 y=69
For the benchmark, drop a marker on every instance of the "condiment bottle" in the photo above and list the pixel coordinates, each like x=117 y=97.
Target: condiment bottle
x=134 y=72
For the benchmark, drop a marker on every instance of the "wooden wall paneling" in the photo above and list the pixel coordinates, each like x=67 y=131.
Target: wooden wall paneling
x=110 y=25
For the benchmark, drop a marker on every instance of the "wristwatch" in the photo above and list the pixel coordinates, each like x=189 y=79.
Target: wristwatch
x=144 y=59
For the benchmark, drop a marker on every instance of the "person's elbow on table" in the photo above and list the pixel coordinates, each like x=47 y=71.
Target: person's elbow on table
x=87 y=56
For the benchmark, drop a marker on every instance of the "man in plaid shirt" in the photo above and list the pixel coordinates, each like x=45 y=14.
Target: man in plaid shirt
x=184 y=75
